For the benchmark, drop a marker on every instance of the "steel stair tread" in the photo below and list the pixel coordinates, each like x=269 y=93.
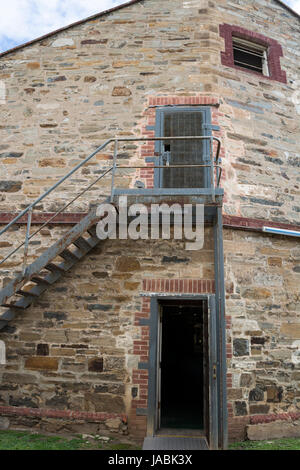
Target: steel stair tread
x=27 y=293
x=7 y=316
x=82 y=244
x=70 y=256
x=55 y=267
x=19 y=307
x=41 y=280
x=92 y=231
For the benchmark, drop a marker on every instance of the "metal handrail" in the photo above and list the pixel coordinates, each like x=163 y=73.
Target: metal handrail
x=214 y=163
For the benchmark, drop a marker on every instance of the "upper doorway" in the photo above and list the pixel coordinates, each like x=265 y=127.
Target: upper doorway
x=180 y=122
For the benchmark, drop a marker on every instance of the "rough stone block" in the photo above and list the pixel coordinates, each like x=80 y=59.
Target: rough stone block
x=256 y=409
x=96 y=364
x=246 y=380
x=42 y=350
x=240 y=347
x=127 y=264
x=240 y=408
x=4 y=423
x=10 y=186
x=274 y=394
x=121 y=91
x=274 y=430
x=256 y=394
x=104 y=402
x=18 y=378
x=113 y=424
x=41 y=363
x=291 y=329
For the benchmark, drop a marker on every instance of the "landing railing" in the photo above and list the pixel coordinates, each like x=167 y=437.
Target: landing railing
x=213 y=164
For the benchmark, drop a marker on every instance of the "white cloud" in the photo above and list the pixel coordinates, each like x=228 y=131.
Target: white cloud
x=295 y=4
x=23 y=20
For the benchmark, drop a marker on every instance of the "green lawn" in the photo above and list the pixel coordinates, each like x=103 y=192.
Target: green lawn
x=21 y=440
x=271 y=444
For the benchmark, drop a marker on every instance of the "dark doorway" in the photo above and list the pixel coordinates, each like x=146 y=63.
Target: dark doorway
x=183 y=365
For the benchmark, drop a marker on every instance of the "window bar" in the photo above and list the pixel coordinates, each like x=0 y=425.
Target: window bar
x=248 y=65
x=249 y=52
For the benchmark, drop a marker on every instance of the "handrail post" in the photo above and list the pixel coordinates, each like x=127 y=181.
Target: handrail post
x=114 y=171
x=27 y=240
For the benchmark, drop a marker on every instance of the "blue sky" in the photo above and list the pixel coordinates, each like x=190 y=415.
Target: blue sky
x=23 y=20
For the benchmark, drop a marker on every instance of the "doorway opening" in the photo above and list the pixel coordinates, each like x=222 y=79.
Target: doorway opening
x=183 y=394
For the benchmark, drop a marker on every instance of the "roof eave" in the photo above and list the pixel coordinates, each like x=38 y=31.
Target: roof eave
x=65 y=28
x=98 y=15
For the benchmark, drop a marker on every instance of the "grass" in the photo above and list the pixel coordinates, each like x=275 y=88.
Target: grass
x=22 y=440
x=274 y=444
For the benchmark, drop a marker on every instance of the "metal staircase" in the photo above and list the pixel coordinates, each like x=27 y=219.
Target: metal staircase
x=36 y=278
x=44 y=272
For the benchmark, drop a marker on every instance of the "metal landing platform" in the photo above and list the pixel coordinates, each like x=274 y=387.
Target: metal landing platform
x=175 y=443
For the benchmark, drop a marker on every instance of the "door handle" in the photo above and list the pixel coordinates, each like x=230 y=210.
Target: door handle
x=166 y=158
x=214 y=371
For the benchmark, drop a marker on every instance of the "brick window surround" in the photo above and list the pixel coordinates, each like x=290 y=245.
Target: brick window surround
x=273 y=47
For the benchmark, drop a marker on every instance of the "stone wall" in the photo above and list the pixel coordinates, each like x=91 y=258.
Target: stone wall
x=78 y=346
x=263 y=314
x=68 y=93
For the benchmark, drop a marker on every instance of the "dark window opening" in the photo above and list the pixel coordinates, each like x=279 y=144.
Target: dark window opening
x=250 y=56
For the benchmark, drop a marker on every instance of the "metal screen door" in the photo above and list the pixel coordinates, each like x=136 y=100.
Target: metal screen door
x=178 y=123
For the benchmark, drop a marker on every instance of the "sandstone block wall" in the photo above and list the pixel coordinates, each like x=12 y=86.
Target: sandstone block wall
x=263 y=316
x=67 y=94
x=78 y=346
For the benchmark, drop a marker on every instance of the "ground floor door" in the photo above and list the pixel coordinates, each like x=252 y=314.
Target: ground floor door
x=186 y=402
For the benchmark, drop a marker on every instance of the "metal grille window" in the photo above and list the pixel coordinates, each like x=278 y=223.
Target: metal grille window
x=178 y=122
x=186 y=152
x=250 y=55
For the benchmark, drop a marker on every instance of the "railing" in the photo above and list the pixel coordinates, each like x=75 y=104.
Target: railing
x=212 y=164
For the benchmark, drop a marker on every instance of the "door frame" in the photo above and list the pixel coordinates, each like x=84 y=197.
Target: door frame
x=159 y=132
x=214 y=405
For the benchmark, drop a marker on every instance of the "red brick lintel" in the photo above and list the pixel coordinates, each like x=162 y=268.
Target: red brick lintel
x=229 y=221
x=180 y=286
x=245 y=223
x=263 y=419
x=63 y=414
x=183 y=100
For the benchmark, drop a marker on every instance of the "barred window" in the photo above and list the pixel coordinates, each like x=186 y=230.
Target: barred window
x=250 y=55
